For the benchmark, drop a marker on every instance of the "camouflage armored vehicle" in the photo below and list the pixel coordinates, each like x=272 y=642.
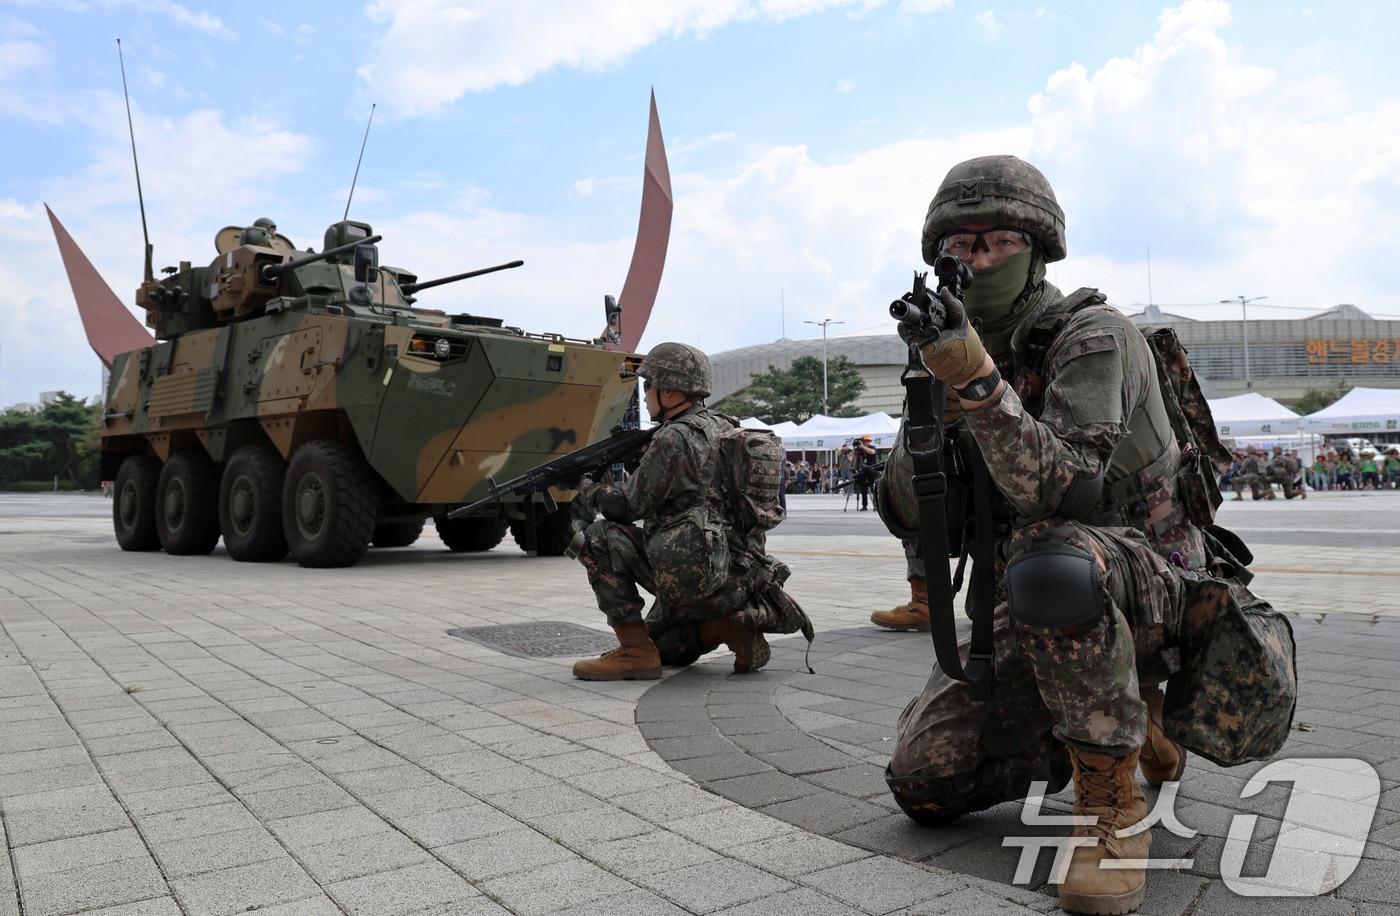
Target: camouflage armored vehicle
x=299 y=402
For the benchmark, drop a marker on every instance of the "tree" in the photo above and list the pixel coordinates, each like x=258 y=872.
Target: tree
x=58 y=440
x=795 y=393
x=1314 y=399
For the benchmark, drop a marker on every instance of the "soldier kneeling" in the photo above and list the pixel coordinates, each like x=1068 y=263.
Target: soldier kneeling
x=705 y=499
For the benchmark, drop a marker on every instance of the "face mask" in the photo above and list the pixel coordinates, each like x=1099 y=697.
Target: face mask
x=995 y=290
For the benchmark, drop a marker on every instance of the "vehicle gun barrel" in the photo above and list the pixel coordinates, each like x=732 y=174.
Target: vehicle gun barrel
x=411 y=288
x=270 y=272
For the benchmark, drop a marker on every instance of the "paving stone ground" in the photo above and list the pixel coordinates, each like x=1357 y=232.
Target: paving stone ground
x=193 y=735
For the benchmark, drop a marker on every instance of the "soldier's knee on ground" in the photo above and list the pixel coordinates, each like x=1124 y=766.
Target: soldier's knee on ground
x=679 y=644
x=937 y=800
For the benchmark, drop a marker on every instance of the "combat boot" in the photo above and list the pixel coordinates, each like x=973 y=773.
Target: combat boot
x=911 y=615
x=1239 y=497
x=634 y=659
x=1161 y=759
x=1106 y=789
x=751 y=650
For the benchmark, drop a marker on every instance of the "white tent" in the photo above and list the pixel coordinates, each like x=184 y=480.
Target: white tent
x=753 y=423
x=823 y=433
x=783 y=429
x=1360 y=410
x=1253 y=414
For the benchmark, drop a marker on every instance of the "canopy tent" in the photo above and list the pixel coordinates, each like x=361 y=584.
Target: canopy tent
x=1360 y=410
x=753 y=423
x=1252 y=414
x=783 y=429
x=823 y=433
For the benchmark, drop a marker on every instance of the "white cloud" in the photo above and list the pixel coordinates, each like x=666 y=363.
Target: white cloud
x=418 y=65
x=1185 y=145
x=925 y=6
x=991 y=26
x=1044 y=13
x=206 y=171
x=845 y=87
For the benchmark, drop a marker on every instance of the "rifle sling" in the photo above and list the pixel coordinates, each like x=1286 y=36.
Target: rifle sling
x=925 y=441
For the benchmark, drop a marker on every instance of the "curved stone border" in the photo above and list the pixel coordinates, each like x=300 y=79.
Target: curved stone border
x=810 y=750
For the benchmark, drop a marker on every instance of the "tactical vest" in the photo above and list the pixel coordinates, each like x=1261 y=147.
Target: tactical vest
x=1145 y=484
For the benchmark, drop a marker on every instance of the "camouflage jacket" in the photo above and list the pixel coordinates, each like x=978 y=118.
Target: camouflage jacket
x=1088 y=434
x=672 y=474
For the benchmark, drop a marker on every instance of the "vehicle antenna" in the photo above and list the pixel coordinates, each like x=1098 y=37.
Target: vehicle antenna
x=357 y=163
x=131 y=130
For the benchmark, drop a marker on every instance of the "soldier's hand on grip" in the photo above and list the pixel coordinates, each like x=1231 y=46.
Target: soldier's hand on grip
x=956 y=353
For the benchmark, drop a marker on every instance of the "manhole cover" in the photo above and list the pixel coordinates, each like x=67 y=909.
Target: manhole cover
x=541 y=639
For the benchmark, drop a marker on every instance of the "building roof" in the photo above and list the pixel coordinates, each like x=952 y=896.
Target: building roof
x=1343 y=312
x=733 y=369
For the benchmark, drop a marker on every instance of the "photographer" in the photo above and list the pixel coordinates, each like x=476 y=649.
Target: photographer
x=865 y=461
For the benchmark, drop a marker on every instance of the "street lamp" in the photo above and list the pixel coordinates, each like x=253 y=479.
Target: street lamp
x=1244 y=326
x=824 y=322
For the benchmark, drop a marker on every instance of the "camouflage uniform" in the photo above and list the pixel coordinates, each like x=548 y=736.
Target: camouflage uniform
x=1097 y=564
x=1252 y=475
x=1283 y=470
x=666 y=490
x=713 y=580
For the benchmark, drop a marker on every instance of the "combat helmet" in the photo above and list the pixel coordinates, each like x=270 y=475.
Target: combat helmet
x=1000 y=191
x=679 y=367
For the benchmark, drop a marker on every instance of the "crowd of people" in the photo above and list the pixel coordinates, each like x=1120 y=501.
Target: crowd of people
x=1332 y=469
x=802 y=476
x=1365 y=470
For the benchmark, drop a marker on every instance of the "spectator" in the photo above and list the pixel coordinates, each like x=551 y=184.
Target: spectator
x=1369 y=471
x=1319 y=472
x=1344 y=470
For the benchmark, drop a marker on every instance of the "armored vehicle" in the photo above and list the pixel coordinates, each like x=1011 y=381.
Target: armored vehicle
x=299 y=402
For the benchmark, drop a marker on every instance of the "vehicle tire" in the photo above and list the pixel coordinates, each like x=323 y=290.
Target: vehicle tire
x=553 y=531
x=396 y=534
x=328 y=505
x=187 y=504
x=470 y=535
x=134 y=503
x=250 y=505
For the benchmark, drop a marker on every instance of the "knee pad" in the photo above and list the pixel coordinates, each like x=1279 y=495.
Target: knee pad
x=1055 y=589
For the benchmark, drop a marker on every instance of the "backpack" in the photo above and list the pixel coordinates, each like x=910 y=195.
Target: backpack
x=747 y=477
x=1193 y=425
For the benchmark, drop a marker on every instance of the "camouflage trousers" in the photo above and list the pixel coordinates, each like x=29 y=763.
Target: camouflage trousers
x=1064 y=685
x=1257 y=483
x=618 y=567
x=1287 y=482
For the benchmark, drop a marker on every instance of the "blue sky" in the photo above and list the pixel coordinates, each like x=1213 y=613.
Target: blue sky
x=805 y=139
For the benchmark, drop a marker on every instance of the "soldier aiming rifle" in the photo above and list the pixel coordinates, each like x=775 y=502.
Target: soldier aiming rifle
x=1082 y=486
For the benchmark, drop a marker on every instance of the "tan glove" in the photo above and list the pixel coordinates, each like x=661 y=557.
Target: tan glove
x=956 y=354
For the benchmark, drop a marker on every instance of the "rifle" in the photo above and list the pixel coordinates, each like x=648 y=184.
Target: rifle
x=923 y=315
x=623 y=446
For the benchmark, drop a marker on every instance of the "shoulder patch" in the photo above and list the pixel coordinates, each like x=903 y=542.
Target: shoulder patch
x=1096 y=341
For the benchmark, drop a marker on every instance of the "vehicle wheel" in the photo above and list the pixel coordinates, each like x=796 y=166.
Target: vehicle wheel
x=187 y=504
x=396 y=534
x=250 y=505
x=470 y=535
x=328 y=505
x=553 y=531
x=134 y=503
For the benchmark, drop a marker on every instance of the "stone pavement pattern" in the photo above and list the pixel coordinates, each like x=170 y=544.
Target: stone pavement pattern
x=191 y=735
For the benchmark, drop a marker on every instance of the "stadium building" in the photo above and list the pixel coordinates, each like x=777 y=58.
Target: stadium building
x=1286 y=357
